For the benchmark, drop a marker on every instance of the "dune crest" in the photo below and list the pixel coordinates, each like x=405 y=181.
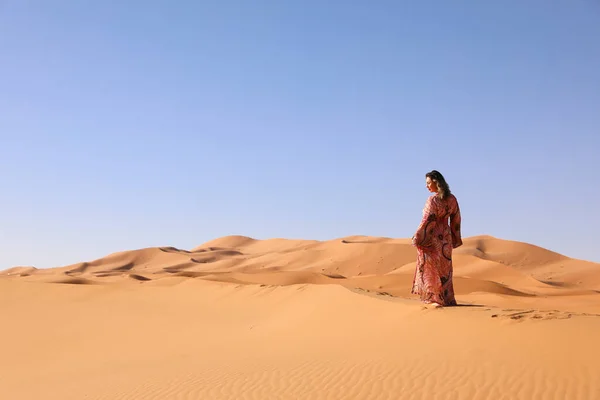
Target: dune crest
x=488 y=270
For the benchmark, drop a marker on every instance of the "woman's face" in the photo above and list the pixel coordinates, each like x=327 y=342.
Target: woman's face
x=431 y=185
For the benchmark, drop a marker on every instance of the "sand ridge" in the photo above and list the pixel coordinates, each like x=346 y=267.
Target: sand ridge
x=487 y=269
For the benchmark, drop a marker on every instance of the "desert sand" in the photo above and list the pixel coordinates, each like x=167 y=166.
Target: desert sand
x=239 y=318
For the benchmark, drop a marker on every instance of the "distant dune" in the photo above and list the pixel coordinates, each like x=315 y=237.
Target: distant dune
x=483 y=265
x=238 y=317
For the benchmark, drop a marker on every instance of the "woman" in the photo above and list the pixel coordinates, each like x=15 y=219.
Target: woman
x=434 y=241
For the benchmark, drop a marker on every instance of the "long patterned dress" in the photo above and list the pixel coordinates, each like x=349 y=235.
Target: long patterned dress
x=434 y=240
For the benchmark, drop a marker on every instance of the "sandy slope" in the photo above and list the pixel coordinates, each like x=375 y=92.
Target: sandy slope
x=238 y=318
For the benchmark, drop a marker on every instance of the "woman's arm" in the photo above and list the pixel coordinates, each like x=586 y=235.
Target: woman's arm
x=421 y=238
x=455 y=221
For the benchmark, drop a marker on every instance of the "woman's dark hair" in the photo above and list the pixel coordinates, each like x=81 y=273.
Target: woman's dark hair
x=438 y=178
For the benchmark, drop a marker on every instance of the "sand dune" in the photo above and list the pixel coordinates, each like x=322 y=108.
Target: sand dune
x=241 y=318
x=484 y=265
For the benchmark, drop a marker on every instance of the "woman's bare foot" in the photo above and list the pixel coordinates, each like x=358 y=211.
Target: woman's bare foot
x=431 y=304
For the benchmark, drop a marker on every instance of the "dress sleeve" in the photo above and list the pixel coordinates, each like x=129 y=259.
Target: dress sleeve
x=455 y=221
x=420 y=238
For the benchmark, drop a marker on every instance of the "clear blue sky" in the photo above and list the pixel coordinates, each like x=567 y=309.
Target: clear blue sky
x=128 y=124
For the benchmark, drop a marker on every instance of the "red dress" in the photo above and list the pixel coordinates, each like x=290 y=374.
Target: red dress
x=437 y=234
